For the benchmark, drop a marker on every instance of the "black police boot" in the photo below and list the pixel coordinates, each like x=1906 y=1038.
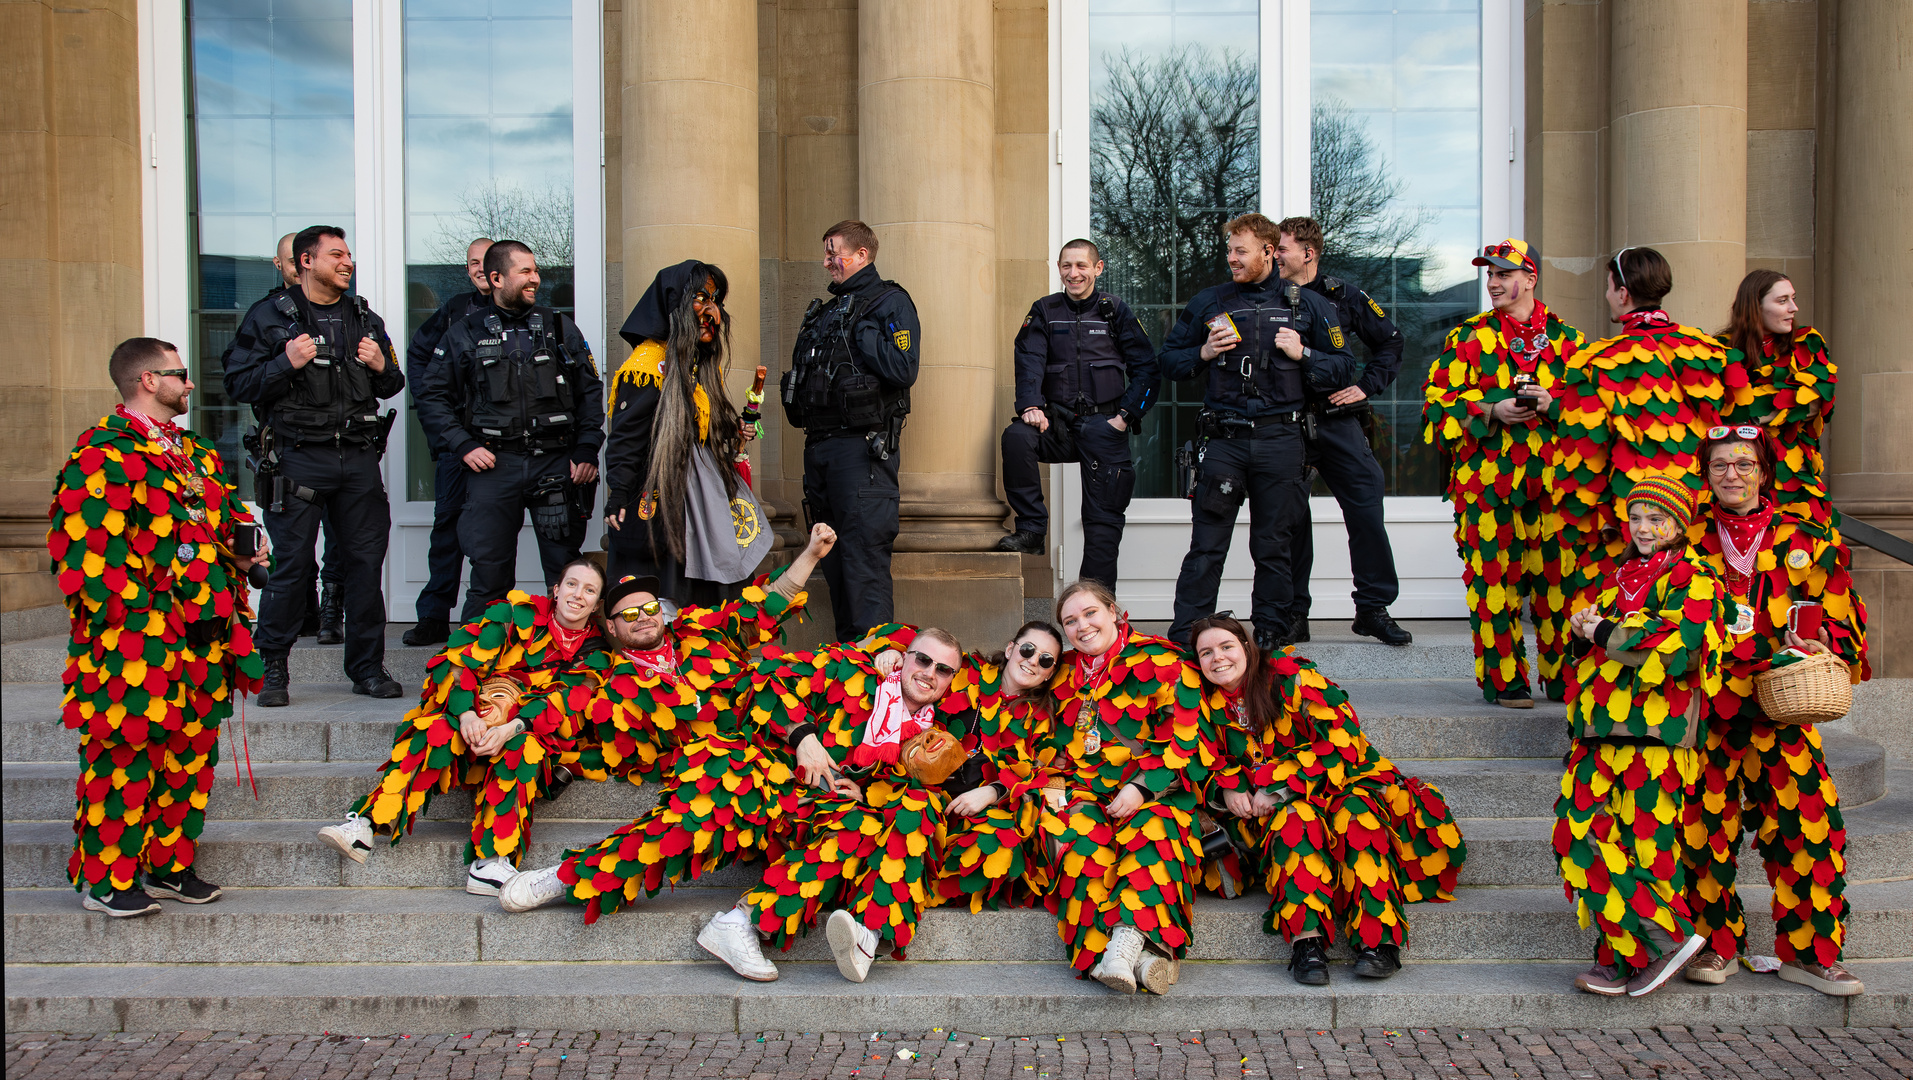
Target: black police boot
x=382 y=685
x=561 y=779
x=1375 y=622
x=1299 y=629
x=273 y=694
x=1271 y=644
x=1378 y=961
x=183 y=886
x=1029 y=543
x=1514 y=697
x=332 y=615
x=1308 y=959
x=428 y=632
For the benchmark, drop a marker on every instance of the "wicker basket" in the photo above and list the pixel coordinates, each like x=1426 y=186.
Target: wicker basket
x=1812 y=691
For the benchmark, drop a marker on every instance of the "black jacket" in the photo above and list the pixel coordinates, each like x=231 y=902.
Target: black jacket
x=257 y=370
x=450 y=385
x=1325 y=358
x=1045 y=340
x=1360 y=313
x=886 y=337
x=427 y=349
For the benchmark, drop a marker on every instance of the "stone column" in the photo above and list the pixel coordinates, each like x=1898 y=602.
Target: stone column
x=927 y=185
x=1677 y=98
x=689 y=176
x=1567 y=103
x=1871 y=460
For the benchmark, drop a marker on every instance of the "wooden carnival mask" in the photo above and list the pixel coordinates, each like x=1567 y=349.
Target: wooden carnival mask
x=498 y=700
x=931 y=756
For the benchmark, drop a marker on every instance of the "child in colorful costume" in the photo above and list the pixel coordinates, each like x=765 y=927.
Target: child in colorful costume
x=504 y=753
x=1122 y=763
x=1779 y=376
x=143 y=524
x=863 y=842
x=722 y=791
x=1341 y=838
x=1633 y=405
x=1490 y=407
x=1770 y=776
x=1647 y=660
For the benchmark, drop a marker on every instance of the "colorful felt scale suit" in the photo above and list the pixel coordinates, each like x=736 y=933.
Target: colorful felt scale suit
x=1772 y=778
x=513 y=637
x=1507 y=529
x=1354 y=841
x=1135 y=717
x=1619 y=819
x=723 y=792
x=990 y=861
x=142 y=522
x=1632 y=405
x=1792 y=380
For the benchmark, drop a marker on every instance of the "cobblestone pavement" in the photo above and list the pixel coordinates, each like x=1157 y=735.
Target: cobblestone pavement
x=1710 y=1053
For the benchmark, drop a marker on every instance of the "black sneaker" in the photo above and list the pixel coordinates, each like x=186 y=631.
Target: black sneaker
x=1378 y=961
x=1376 y=623
x=1308 y=959
x=382 y=685
x=1514 y=697
x=124 y=904
x=332 y=615
x=1028 y=543
x=428 y=632
x=1299 y=629
x=184 y=887
x=274 y=694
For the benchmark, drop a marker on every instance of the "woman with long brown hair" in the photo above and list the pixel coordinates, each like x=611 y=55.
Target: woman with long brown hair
x=1780 y=377
x=1340 y=836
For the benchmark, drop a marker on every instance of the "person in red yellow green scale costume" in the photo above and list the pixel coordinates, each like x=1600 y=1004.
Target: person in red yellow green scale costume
x=722 y=793
x=1492 y=407
x=1633 y=405
x=1125 y=754
x=1780 y=376
x=1340 y=837
x=480 y=726
x=862 y=840
x=142 y=531
x=1769 y=777
x=1647 y=659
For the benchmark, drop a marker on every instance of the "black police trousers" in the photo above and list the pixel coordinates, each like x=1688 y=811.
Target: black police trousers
x=444 y=559
x=495 y=503
x=350 y=496
x=847 y=488
x=1270 y=470
x=1342 y=455
x=1109 y=479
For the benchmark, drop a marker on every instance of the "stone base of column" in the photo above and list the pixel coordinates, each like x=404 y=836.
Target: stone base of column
x=944 y=525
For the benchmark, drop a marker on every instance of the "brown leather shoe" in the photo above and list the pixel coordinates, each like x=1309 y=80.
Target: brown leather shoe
x=1711 y=968
x=1603 y=979
x=1832 y=979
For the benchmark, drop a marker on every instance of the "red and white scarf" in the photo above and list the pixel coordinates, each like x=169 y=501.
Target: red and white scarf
x=1635 y=578
x=565 y=639
x=1742 y=537
x=1645 y=319
x=661 y=661
x=1527 y=341
x=890 y=723
x=171 y=442
x=1093 y=671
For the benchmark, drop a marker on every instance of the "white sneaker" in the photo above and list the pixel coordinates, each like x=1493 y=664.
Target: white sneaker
x=1157 y=974
x=852 y=943
x=487 y=876
x=736 y=944
x=1117 y=968
x=351 y=838
x=532 y=889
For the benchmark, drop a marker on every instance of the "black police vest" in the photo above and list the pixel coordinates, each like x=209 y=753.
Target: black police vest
x=1256 y=377
x=330 y=399
x=1084 y=365
x=825 y=390
x=521 y=391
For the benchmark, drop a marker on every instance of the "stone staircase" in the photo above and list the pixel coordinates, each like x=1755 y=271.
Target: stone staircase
x=307 y=941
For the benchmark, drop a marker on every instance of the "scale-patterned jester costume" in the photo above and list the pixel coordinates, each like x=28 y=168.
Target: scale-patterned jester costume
x=1633 y=405
x=142 y=523
x=1506 y=527
x=723 y=792
x=876 y=858
x=1619 y=819
x=1354 y=841
x=1132 y=715
x=990 y=860
x=1772 y=777
x=1792 y=380
x=515 y=637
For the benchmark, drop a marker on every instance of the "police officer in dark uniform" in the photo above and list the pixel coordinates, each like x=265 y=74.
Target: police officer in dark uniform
x=443 y=560
x=1340 y=449
x=315 y=363
x=517 y=399
x=849 y=389
x=1085 y=375
x=1263 y=343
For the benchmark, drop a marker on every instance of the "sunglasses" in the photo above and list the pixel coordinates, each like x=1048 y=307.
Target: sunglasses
x=175 y=372
x=650 y=609
x=1504 y=250
x=1744 y=431
x=1028 y=649
x=923 y=660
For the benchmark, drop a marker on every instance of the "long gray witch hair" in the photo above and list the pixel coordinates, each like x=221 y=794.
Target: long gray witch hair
x=688 y=364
